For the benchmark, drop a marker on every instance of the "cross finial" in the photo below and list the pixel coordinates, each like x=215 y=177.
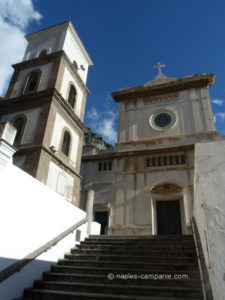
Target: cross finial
x=159 y=66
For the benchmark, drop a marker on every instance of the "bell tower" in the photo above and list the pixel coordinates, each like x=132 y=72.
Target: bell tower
x=45 y=102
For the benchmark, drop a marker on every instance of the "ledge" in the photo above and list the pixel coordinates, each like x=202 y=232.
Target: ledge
x=183 y=83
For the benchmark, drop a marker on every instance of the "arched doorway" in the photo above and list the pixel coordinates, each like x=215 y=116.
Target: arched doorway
x=167 y=209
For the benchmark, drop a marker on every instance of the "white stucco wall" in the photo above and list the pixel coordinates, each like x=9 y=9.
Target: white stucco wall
x=32 y=215
x=59 y=125
x=29 y=208
x=74 y=53
x=209 y=210
x=14 y=286
x=67 y=79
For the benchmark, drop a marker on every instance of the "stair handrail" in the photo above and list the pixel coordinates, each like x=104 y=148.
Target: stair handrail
x=17 y=266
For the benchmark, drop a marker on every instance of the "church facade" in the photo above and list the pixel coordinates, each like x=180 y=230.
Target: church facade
x=45 y=102
x=145 y=184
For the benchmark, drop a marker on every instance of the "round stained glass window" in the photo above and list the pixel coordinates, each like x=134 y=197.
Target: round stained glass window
x=163 y=120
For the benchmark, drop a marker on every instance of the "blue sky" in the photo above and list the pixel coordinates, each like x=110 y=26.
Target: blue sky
x=125 y=38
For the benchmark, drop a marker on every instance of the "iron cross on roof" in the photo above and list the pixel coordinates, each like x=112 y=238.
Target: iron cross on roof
x=159 y=67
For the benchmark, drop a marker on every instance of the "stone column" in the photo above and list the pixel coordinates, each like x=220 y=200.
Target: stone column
x=7 y=136
x=89 y=199
x=153 y=215
x=187 y=206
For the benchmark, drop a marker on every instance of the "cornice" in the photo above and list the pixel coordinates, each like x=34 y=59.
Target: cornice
x=45 y=96
x=179 y=84
x=137 y=152
x=30 y=63
x=40 y=96
x=201 y=137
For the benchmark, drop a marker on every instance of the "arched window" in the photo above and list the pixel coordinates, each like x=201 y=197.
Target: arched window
x=32 y=82
x=19 y=124
x=66 y=143
x=43 y=53
x=72 y=96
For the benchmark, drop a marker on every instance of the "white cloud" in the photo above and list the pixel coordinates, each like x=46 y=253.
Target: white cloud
x=15 y=17
x=103 y=123
x=221 y=116
x=218 y=102
x=93 y=114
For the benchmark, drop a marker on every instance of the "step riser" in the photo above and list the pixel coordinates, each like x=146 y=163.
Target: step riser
x=99 y=271
x=141 y=237
x=188 y=244
x=154 y=252
x=136 y=248
x=51 y=296
x=126 y=282
x=142 y=259
x=110 y=290
x=149 y=267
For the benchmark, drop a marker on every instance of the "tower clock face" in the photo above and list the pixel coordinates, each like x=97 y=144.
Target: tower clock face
x=162 y=120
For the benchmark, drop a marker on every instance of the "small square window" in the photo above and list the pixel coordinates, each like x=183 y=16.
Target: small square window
x=165 y=161
x=182 y=159
x=159 y=161
x=110 y=166
x=153 y=162
x=147 y=162
x=177 y=160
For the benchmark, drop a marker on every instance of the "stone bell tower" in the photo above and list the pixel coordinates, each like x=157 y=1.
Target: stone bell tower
x=45 y=102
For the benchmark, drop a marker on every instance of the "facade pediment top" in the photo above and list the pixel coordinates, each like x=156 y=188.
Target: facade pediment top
x=164 y=85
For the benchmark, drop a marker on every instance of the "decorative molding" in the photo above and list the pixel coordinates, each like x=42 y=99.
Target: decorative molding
x=179 y=84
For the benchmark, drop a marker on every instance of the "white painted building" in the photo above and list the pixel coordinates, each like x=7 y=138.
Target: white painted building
x=165 y=174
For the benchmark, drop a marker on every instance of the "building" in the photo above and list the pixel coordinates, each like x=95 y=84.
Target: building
x=45 y=102
x=145 y=184
x=165 y=175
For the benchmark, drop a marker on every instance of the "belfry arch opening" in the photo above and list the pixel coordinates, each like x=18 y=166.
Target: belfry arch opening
x=167 y=209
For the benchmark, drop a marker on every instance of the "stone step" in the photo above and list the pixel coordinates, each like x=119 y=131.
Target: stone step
x=140 y=248
x=127 y=265
x=192 y=274
x=148 y=252
x=147 y=242
x=129 y=258
x=119 y=289
x=143 y=238
x=117 y=267
x=128 y=279
x=33 y=294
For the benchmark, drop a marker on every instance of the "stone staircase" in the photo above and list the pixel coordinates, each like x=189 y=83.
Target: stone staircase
x=105 y=267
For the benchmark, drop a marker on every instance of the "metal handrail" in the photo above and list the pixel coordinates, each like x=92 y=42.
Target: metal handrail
x=16 y=267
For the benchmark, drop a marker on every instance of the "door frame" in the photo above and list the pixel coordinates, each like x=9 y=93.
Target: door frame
x=102 y=210
x=154 y=213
